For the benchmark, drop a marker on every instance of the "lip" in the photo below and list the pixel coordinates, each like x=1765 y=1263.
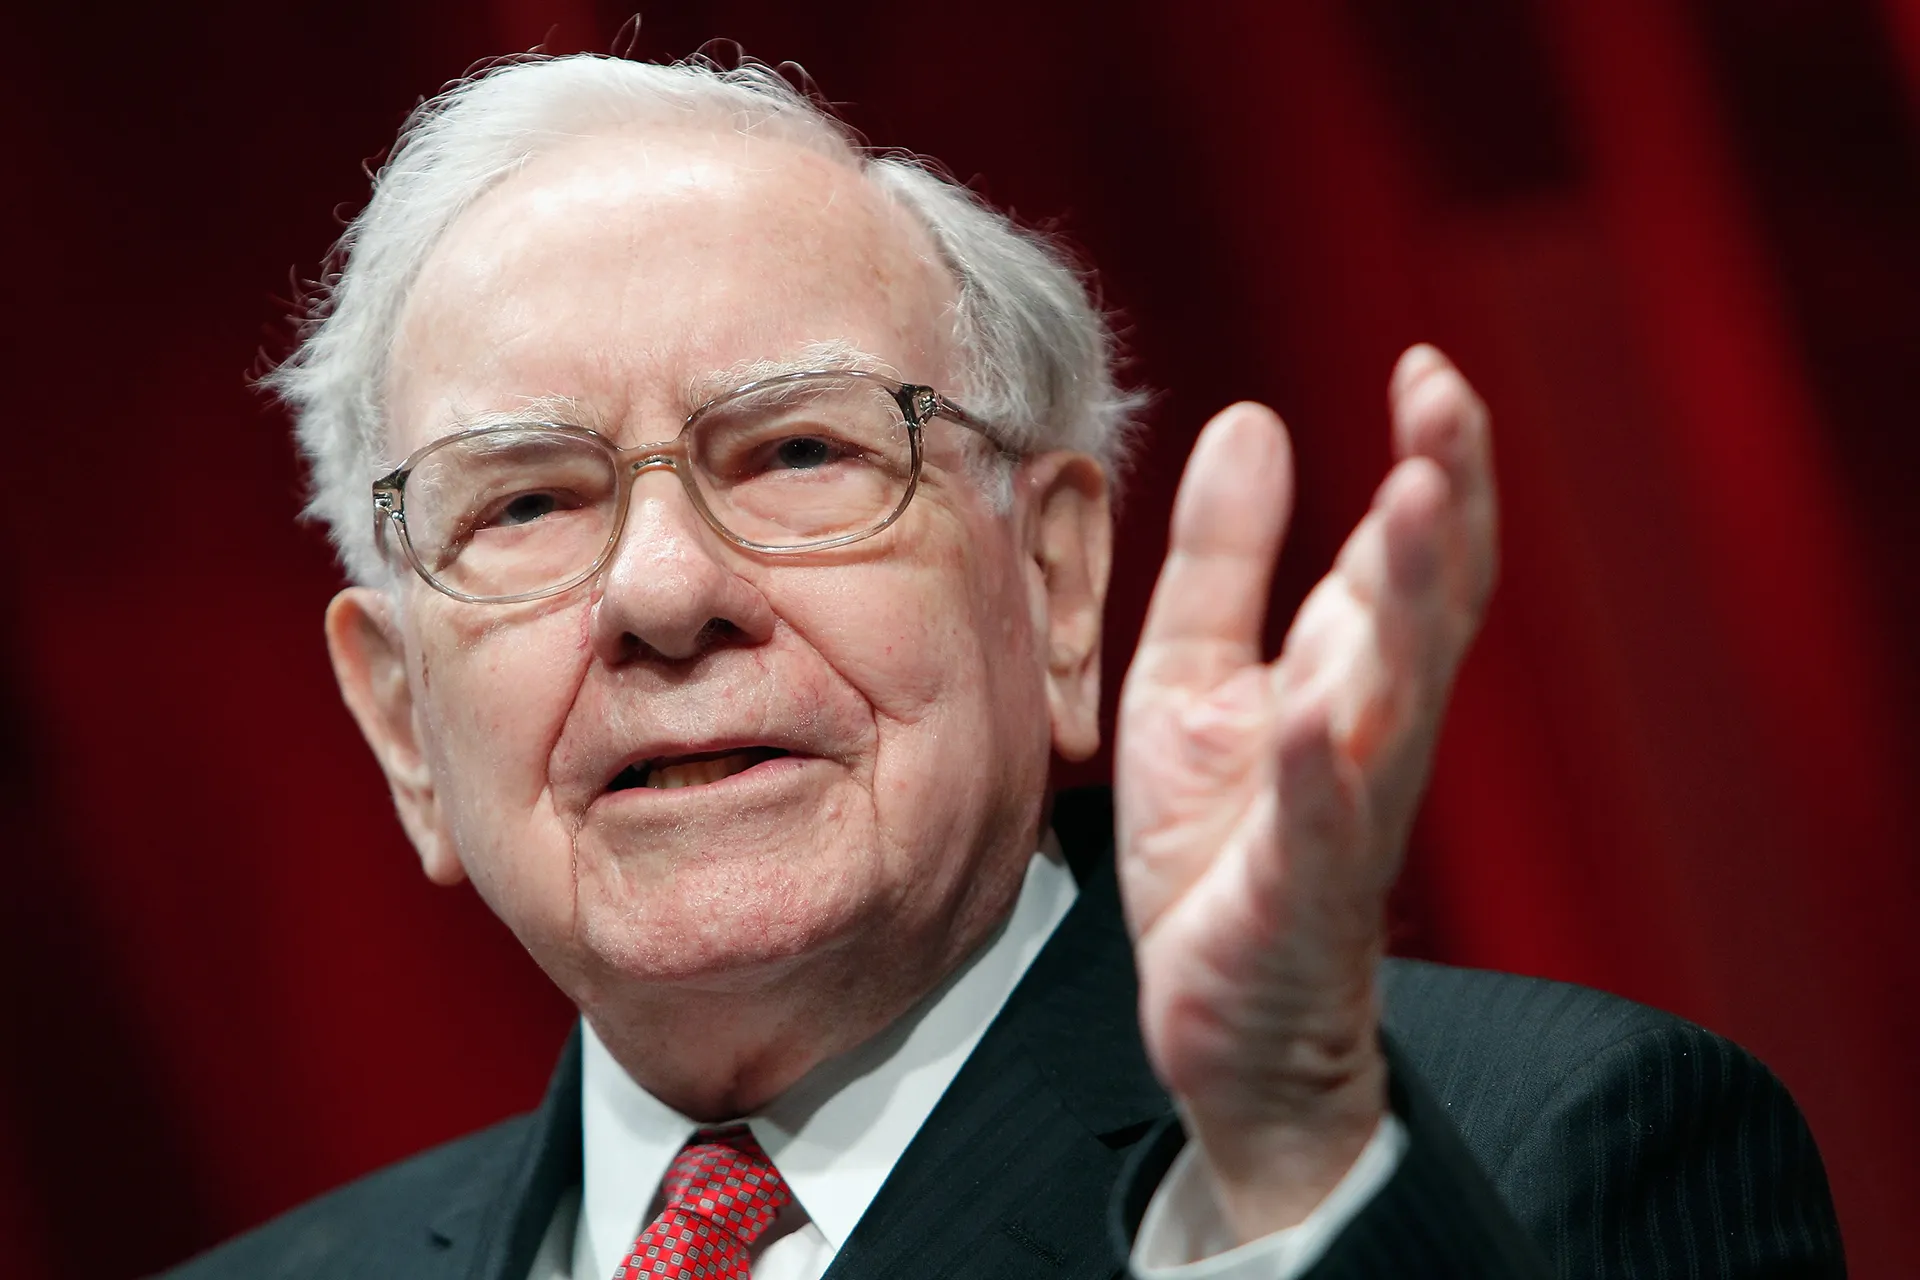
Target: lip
x=682 y=752
x=766 y=776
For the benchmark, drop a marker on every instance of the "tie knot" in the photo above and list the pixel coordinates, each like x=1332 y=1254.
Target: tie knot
x=723 y=1177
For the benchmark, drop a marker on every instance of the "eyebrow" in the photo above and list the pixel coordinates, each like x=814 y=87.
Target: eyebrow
x=533 y=409
x=835 y=356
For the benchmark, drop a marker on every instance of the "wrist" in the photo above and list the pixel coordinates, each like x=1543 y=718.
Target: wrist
x=1271 y=1164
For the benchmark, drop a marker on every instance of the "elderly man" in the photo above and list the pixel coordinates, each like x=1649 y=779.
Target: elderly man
x=728 y=513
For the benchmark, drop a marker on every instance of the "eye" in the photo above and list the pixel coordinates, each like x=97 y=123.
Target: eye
x=803 y=453
x=525 y=508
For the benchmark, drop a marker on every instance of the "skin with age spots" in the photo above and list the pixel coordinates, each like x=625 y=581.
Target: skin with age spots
x=788 y=912
x=763 y=922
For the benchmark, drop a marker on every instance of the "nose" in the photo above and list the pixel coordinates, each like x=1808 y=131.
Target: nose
x=670 y=591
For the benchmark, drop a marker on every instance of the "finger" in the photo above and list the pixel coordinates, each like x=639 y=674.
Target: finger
x=1438 y=416
x=1209 y=606
x=1436 y=412
x=1322 y=814
x=1415 y=507
x=1419 y=628
x=1373 y=638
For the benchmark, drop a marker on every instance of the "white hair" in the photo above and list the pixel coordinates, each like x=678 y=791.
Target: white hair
x=1039 y=357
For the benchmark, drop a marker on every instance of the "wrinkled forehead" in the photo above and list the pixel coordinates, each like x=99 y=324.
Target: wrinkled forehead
x=626 y=272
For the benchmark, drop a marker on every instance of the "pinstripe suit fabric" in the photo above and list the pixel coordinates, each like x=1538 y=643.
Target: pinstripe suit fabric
x=1554 y=1131
x=1561 y=1132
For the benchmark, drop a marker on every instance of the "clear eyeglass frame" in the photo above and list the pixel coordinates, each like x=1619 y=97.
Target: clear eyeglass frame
x=918 y=406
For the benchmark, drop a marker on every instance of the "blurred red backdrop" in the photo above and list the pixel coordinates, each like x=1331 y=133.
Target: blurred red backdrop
x=1677 y=243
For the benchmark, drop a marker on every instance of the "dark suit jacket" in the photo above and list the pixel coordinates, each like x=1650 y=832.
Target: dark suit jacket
x=1554 y=1131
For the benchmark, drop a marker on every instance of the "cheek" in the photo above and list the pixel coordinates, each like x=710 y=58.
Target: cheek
x=495 y=691
x=926 y=630
x=937 y=639
x=891 y=636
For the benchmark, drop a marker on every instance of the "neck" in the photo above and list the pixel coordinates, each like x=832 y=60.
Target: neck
x=736 y=1047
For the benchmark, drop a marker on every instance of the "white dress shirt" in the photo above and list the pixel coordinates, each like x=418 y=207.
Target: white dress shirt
x=836 y=1135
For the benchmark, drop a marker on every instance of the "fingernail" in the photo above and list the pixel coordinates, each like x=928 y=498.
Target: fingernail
x=1419 y=361
x=1430 y=419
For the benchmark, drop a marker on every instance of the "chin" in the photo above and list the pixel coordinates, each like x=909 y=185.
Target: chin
x=734 y=919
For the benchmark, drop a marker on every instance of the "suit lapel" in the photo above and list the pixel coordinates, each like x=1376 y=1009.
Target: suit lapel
x=490 y=1223
x=1010 y=1176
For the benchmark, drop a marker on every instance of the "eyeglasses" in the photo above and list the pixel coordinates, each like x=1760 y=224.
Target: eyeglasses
x=793 y=463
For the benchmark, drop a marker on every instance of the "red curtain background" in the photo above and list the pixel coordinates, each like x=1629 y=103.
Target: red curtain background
x=1677 y=243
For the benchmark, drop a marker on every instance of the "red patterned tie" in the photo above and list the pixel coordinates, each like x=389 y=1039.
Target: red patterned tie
x=721 y=1193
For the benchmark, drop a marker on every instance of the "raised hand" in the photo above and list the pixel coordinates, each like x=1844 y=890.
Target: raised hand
x=1263 y=807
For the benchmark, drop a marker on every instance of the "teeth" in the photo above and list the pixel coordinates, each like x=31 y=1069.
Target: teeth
x=701 y=772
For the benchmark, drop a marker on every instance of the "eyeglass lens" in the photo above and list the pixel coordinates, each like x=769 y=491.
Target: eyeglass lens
x=517 y=510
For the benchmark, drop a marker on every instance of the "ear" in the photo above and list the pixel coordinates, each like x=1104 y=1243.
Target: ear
x=370 y=662
x=1069 y=527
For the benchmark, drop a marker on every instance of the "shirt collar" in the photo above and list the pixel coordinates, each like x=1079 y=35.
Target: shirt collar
x=838 y=1132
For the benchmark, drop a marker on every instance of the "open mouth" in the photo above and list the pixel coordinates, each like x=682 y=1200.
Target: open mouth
x=669 y=772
